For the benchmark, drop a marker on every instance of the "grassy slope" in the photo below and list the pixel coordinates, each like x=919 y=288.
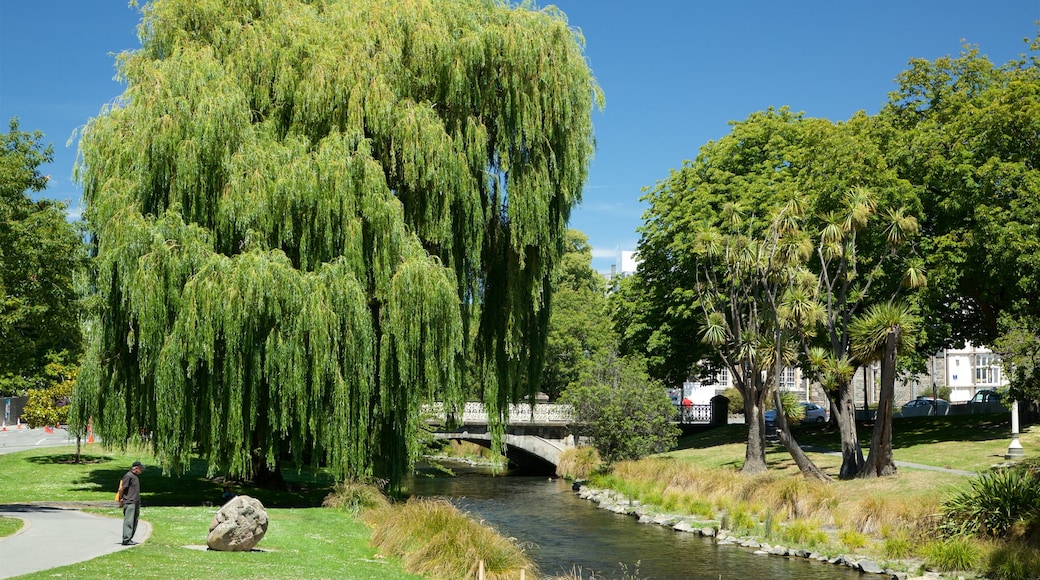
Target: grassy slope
x=303 y=540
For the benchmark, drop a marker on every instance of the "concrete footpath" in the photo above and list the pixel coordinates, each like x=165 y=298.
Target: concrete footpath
x=55 y=533
x=58 y=536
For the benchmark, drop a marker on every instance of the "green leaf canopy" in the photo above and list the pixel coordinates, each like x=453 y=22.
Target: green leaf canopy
x=297 y=206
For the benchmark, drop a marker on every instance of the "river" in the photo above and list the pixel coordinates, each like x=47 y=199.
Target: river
x=563 y=533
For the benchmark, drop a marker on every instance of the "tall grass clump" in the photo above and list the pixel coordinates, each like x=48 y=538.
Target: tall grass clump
x=898 y=545
x=578 y=463
x=953 y=555
x=355 y=497
x=433 y=538
x=997 y=502
x=1014 y=561
x=805 y=533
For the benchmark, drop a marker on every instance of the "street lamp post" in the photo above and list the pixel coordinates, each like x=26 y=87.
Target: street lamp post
x=1015 y=448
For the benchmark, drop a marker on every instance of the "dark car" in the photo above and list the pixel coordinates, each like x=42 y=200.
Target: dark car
x=986 y=396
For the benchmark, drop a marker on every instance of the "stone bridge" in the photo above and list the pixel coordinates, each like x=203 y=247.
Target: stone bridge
x=535 y=436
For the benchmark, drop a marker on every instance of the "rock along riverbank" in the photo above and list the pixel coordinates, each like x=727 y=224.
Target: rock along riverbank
x=615 y=502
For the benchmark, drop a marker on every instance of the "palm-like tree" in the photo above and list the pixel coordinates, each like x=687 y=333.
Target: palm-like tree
x=879 y=334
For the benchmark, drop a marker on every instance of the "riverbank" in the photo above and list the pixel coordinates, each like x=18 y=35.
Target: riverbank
x=890 y=522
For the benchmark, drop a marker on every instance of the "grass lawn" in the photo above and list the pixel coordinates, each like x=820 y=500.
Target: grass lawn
x=9 y=526
x=303 y=540
x=962 y=442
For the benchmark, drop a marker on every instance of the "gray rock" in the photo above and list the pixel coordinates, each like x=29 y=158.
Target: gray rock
x=708 y=532
x=684 y=526
x=779 y=551
x=870 y=567
x=238 y=526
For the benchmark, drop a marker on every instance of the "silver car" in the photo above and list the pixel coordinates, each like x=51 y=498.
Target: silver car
x=811 y=413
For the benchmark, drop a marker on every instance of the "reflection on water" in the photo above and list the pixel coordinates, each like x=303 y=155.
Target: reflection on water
x=562 y=532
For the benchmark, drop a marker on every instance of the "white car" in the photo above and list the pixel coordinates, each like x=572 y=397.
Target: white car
x=812 y=413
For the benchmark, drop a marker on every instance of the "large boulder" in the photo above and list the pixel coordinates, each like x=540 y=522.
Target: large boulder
x=238 y=526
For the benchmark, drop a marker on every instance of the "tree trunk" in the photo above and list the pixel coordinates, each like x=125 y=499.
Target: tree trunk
x=805 y=465
x=851 y=454
x=880 y=461
x=754 y=417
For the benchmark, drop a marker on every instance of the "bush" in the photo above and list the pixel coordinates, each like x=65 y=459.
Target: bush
x=997 y=502
x=624 y=414
x=736 y=401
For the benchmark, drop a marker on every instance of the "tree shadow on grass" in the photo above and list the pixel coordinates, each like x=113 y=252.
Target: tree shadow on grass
x=192 y=488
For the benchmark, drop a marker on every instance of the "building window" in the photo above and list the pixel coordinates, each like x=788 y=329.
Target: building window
x=987 y=369
x=787 y=379
x=722 y=377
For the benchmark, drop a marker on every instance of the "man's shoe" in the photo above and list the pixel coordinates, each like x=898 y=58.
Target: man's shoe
x=129 y=543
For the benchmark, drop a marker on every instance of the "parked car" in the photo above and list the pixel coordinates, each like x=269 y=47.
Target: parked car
x=812 y=413
x=986 y=396
x=922 y=406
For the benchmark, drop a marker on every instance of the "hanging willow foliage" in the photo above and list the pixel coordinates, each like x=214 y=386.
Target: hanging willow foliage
x=297 y=205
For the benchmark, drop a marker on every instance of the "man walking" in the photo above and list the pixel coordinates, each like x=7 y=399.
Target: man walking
x=129 y=498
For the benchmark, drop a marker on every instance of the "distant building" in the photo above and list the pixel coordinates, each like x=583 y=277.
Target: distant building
x=625 y=264
x=965 y=370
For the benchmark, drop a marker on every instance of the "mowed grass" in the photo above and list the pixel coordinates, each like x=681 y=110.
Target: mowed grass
x=303 y=540
x=9 y=526
x=962 y=442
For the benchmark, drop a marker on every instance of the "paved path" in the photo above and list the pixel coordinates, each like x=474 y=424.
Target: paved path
x=59 y=536
x=55 y=534
x=899 y=463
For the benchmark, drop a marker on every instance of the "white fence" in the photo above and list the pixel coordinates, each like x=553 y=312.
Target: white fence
x=540 y=414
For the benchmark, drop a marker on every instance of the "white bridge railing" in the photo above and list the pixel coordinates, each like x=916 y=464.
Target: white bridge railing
x=521 y=413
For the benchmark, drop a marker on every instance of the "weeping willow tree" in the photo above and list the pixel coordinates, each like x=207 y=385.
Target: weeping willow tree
x=300 y=208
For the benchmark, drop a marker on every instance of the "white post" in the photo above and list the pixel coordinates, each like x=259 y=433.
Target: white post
x=1015 y=448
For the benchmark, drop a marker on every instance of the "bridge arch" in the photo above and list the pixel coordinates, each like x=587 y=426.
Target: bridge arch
x=529 y=453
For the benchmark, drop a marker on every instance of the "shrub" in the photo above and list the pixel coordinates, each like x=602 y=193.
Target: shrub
x=578 y=463
x=994 y=504
x=623 y=412
x=736 y=401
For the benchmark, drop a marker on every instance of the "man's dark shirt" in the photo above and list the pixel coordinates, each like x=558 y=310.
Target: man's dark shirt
x=131 y=488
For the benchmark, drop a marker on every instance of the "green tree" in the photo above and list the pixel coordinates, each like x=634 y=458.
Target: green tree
x=965 y=133
x=300 y=209
x=860 y=215
x=623 y=412
x=40 y=255
x=579 y=323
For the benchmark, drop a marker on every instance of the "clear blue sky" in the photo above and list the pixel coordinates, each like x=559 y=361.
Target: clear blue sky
x=675 y=72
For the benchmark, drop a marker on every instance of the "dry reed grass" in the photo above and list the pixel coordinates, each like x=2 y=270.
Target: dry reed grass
x=433 y=538
x=874 y=508
x=578 y=463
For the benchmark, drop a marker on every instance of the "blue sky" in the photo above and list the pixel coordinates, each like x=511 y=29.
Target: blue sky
x=675 y=73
